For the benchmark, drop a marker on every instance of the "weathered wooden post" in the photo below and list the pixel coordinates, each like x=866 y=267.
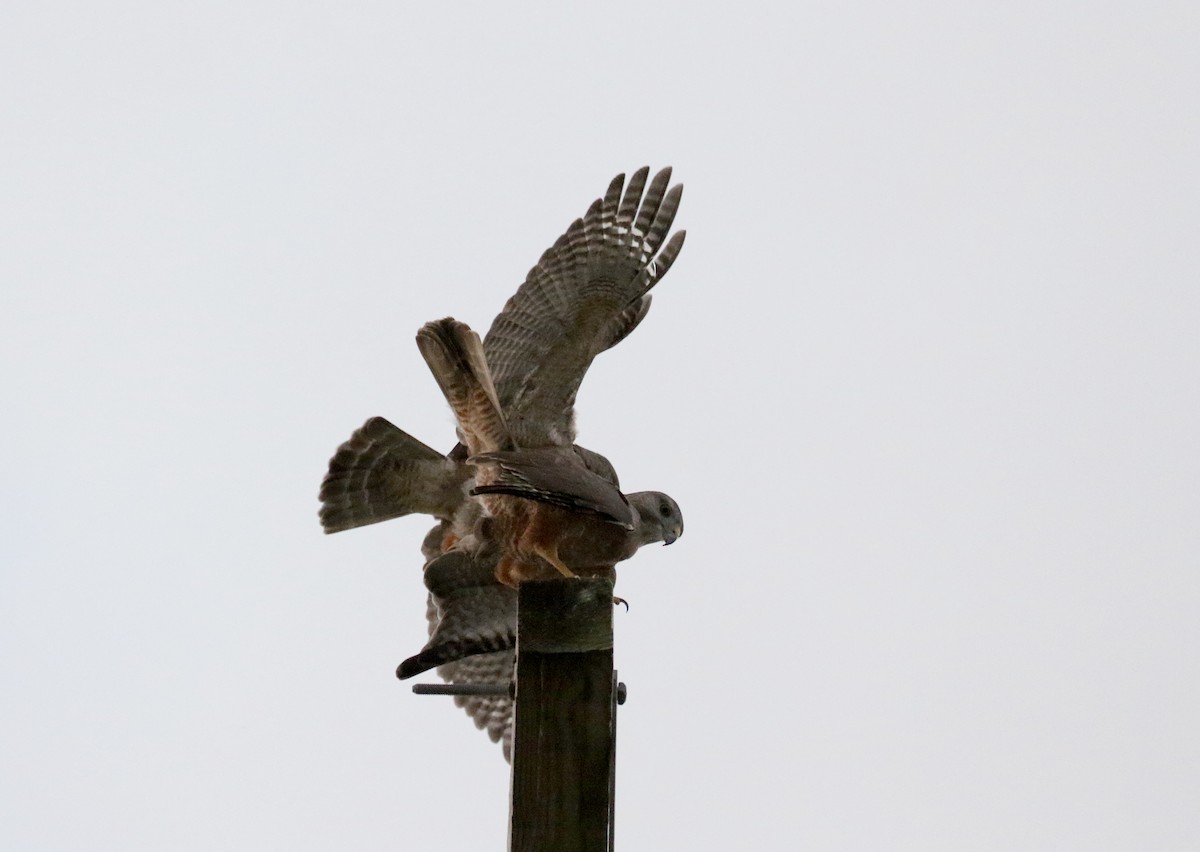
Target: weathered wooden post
x=564 y=726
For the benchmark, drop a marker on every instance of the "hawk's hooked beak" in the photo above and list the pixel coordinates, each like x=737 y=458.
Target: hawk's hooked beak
x=670 y=535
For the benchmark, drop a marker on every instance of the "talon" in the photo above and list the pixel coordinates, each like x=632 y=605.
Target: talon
x=621 y=601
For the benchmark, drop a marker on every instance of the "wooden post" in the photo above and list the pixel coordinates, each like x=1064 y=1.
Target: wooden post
x=562 y=761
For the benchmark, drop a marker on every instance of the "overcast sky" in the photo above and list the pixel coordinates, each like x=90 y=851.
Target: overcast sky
x=924 y=381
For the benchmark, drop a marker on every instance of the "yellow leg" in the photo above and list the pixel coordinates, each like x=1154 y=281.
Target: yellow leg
x=551 y=556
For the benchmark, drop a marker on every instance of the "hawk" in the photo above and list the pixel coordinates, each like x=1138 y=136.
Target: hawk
x=587 y=292
x=382 y=472
x=544 y=505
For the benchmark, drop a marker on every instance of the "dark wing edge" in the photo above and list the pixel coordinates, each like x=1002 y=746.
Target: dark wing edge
x=475 y=613
x=573 y=487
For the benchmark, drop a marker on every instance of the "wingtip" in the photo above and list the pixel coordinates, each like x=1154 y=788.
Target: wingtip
x=413 y=666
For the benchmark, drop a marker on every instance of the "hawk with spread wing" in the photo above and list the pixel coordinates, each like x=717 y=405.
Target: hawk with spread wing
x=516 y=392
x=544 y=505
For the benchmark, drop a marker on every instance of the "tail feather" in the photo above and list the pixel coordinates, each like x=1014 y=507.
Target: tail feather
x=455 y=356
x=382 y=472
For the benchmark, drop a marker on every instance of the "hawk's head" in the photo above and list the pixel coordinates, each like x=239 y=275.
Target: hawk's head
x=659 y=517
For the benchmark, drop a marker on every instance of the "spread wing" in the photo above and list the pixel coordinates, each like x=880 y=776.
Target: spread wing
x=586 y=293
x=383 y=472
x=492 y=713
x=476 y=614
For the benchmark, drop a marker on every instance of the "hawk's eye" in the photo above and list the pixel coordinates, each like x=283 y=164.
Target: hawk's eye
x=664 y=510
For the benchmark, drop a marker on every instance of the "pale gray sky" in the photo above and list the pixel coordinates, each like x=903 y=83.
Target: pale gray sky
x=924 y=381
